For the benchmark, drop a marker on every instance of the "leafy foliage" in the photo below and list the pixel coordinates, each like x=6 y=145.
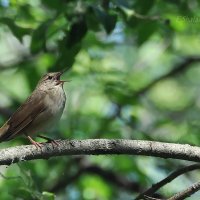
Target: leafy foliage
x=122 y=58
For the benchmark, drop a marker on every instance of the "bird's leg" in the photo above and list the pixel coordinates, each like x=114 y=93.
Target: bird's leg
x=52 y=141
x=37 y=144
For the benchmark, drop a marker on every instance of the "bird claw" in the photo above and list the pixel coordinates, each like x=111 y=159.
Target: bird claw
x=54 y=142
x=38 y=144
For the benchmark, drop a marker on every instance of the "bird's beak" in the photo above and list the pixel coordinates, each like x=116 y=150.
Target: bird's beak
x=61 y=81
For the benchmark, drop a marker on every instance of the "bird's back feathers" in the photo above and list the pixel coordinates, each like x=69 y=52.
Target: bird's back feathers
x=23 y=117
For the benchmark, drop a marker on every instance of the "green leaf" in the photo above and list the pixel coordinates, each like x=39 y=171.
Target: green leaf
x=145 y=30
x=55 y=5
x=70 y=45
x=143 y=6
x=32 y=76
x=66 y=57
x=48 y=196
x=107 y=20
x=39 y=37
x=18 y=31
x=77 y=32
x=92 y=20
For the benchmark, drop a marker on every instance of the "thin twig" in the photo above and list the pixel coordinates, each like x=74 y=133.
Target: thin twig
x=172 y=176
x=186 y=193
x=177 y=69
x=150 y=198
x=107 y=175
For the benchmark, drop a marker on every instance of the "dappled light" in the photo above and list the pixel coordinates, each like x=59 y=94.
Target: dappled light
x=134 y=72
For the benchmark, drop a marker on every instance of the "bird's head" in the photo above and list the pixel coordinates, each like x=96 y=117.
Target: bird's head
x=51 y=80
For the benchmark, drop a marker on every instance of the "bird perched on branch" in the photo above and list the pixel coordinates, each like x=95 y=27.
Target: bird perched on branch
x=39 y=112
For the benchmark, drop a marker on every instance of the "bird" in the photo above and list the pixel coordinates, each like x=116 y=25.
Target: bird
x=42 y=109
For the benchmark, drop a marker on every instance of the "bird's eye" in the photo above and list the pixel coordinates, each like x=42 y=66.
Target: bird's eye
x=50 y=77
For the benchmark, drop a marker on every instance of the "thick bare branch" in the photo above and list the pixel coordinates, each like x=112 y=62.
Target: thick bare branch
x=100 y=146
x=168 y=179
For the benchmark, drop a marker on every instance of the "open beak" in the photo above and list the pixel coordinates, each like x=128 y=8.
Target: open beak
x=58 y=78
x=62 y=82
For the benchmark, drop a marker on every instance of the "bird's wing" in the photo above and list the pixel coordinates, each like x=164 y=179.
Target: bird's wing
x=24 y=115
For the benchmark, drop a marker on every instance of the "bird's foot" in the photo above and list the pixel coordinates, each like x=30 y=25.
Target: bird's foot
x=50 y=140
x=37 y=144
x=54 y=143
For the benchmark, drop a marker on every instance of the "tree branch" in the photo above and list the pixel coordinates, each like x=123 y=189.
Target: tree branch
x=186 y=193
x=100 y=146
x=168 y=179
x=177 y=69
x=107 y=175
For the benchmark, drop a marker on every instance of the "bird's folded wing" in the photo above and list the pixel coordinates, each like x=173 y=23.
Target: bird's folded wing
x=25 y=114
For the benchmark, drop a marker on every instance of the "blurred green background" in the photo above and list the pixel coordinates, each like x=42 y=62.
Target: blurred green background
x=134 y=68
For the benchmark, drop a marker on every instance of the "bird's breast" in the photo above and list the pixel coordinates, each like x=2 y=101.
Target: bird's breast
x=55 y=100
x=54 y=103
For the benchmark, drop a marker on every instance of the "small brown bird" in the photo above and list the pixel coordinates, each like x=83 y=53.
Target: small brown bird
x=39 y=112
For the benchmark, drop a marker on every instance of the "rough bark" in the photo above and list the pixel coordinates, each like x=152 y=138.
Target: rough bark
x=98 y=147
